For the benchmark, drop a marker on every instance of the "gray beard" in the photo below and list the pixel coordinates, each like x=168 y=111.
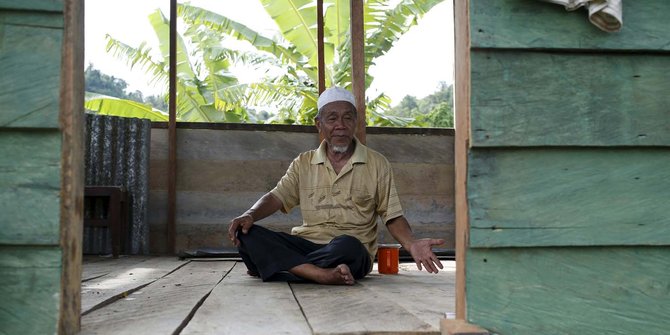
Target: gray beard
x=339 y=149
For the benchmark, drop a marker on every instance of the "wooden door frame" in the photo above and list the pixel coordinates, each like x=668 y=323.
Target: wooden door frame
x=462 y=140
x=72 y=173
x=71 y=124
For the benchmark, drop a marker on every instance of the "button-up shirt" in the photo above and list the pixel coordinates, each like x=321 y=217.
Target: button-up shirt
x=337 y=204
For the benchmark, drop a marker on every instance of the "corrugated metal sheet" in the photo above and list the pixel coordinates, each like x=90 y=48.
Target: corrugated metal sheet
x=117 y=154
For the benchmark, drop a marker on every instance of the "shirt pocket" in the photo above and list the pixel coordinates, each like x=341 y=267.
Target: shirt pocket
x=312 y=206
x=363 y=201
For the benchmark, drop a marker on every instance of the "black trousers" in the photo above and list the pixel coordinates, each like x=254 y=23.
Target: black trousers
x=271 y=254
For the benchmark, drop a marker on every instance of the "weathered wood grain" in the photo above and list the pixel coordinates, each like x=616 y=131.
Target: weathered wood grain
x=609 y=290
x=29 y=86
x=436 y=290
x=103 y=290
x=36 y=5
x=460 y=327
x=263 y=175
x=355 y=310
x=162 y=306
x=203 y=216
x=242 y=145
x=30 y=186
x=537 y=24
x=542 y=197
x=222 y=172
x=236 y=144
x=558 y=99
x=461 y=143
x=71 y=121
x=95 y=266
x=30 y=289
x=241 y=304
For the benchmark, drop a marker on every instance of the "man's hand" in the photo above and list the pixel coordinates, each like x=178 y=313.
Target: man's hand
x=241 y=223
x=421 y=251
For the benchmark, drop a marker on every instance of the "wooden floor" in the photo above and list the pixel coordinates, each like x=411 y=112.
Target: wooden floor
x=160 y=295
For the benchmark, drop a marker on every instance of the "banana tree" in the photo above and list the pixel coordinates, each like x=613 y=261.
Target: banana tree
x=219 y=97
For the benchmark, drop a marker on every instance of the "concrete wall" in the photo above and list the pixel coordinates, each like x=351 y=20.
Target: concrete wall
x=222 y=172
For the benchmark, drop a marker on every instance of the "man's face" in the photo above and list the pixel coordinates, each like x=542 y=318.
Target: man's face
x=337 y=124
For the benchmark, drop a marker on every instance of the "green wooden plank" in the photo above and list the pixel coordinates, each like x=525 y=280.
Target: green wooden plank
x=30 y=289
x=563 y=196
x=33 y=5
x=536 y=98
x=30 y=53
x=536 y=24
x=46 y=20
x=617 y=290
x=29 y=187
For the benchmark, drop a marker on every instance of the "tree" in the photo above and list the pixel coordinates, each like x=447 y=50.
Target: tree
x=208 y=92
x=104 y=92
x=435 y=110
x=98 y=82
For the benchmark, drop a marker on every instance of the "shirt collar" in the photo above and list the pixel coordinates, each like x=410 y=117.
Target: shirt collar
x=360 y=153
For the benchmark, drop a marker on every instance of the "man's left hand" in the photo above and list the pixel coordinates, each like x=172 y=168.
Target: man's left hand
x=421 y=251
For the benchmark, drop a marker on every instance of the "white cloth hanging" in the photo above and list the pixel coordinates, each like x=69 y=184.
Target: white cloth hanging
x=604 y=14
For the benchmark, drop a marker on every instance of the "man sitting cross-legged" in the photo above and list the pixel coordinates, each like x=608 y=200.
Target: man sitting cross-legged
x=341 y=188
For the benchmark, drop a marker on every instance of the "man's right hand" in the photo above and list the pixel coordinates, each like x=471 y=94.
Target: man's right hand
x=241 y=223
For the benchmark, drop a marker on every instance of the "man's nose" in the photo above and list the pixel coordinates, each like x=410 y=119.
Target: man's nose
x=340 y=123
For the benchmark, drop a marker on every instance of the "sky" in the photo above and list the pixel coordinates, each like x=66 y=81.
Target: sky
x=414 y=66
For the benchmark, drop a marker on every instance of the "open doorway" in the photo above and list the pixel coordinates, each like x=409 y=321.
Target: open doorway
x=452 y=133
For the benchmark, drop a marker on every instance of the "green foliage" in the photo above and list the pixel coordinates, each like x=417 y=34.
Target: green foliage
x=99 y=85
x=435 y=110
x=107 y=105
x=207 y=91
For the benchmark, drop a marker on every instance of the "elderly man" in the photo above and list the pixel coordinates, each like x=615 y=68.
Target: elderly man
x=341 y=188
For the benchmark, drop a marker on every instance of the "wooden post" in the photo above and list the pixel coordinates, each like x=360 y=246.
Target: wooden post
x=358 y=64
x=462 y=116
x=172 y=133
x=321 y=68
x=71 y=123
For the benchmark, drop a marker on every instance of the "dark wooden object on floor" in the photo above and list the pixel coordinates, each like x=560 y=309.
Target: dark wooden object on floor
x=114 y=213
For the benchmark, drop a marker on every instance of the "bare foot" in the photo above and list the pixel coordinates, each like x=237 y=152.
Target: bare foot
x=345 y=274
x=339 y=275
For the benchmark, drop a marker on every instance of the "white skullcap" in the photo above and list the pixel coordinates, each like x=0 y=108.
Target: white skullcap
x=335 y=94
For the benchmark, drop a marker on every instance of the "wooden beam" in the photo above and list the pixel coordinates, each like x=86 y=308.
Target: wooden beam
x=462 y=116
x=460 y=327
x=319 y=42
x=71 y=120
x=358 y=64
x=172 y=133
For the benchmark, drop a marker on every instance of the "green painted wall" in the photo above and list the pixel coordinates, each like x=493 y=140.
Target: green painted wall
x=580 y=290
x=30 y=289
x=568 y=170
x=31 y=34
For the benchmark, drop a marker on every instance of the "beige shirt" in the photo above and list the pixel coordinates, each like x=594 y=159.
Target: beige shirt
x=348 y=203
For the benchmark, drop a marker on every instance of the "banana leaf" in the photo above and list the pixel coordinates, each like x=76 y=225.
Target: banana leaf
x=106 y=105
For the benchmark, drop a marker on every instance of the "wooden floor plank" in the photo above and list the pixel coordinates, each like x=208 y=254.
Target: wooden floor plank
x=241 y=304
x=427 y=296
x=356 y=310
x=98 y=266
x=100 y=291
x=162 y=306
